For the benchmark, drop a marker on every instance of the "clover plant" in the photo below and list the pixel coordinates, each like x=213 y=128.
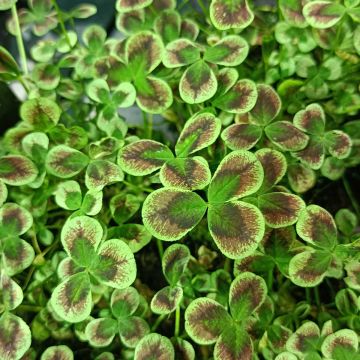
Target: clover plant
x=184 y=186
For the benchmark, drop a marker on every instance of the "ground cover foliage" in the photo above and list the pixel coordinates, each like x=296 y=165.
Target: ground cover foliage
x=211 y=228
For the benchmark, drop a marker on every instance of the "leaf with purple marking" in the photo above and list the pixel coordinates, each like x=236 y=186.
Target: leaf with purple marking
x=46 y=76
x=286 y=136
x=198 y=83
x=353 y=274
x=124 y=6
x=267 y=106
x=189 y=29
x=8 y=67
x=115 y=265
x=143 y=157
x=123 y=207
x=301 y=177
x=174 y=262
x=154 y=346
x=308 y=268
x=14 y=220
x=241 y=136
x=15 y=337
x=280 y=209
x=239 y=174
x=17 y=170
x=247 y=293
x=124 y=302
x=3 y=192
x=274 y=165
x=65 y=162
x=68 y=195
x=231 y=50
x=346 y=302
x=323 y=14
x=338 y=144
x=170 y=214
x=332 y=168
x=92 y=202
x=71 y=299
x=183 y=349
x=236 y=227
x=234 y=343
x=41 y=113
x=205 y=320
x=317 y=227
x=11 y=293
x=166 y=300
x=311 y=120
x=80 y=237
x=131 y=21
x=313 y=155
x=292 y=12
x=304 y=340
x=342 y=344
x=101 y=332
x=143 y=53
x=59 y=352
x=132 y=329
x=286 y=355
x=153 y=95
x=227 y=78
x=67 y=267
x=180 y=52
x=346 y=221
x=167 y=25
x=98 y=90
x=227 y=15
x=240 y=99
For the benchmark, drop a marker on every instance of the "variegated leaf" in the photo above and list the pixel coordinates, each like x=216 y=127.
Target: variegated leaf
x=189 y=29
x=238 y=175
x=317 y=227
x=180 y=52
x=131 y=21
x=71 y=299
x=311 y=120
x=123 y=207
x=231 y=50
x=292 y=12
x=240 y=99
x=3 y=192
x=280 y=209
x=124 y=302
x=226 y=15
x=301 y=177
x=304 y=340
x=65 y=162
x=80 y=237
x=17 y=170
x=101 y=332
x=166 y=300
x=115 y=266
x=198 y=83
x=286 y=355
x=68 y=195
x=59 y=352
x=338 y=144
x=227 y=78
x=67 y=267
x=154 y=346
x=11 y=292
x=98 y=90
x=132 y=329
x=92 y=202
x=241 y=136
x=15 y=337
x=14 y=220
x=323 y=14
x=342 y=344
x=205 y=320
x=236 y=227
x=174 y=262
x=183 y=349
x=130 y=5
x=46 y=76
x=167 y=25
x=313 y=155
x=353 y=274
x=164 y=216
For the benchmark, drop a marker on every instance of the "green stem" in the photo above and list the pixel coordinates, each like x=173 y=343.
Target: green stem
x=177 y=321
x=158 y=322
x=35 y=242
x=31 y=308
x=19 y=40
x=202 y=6
x=270 y=280
x=317 y=296
x=148 y=125
x=348 y=190
x=308 y=297
x=160 y=248
x=61 y=22
x=28 y=277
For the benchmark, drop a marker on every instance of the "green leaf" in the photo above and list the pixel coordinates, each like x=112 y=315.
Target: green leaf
x=92 y=202
x=199 y=132
x=15 y=337
x=342 y=344
x=143 y=53
x=323 y=14
x=35 y=145
x=332 y=168
x=286 y=356
x=124 y=302
x=68 y=195
x=17 y=170
x=236 y=227
x=6 y=4
x=231 y=50
x=280 y=209
x=241 y=136
x=98 y=90
x=189 y=29
x=132 y=330
x=338 y=144
x=126 y=6
x=301 y=177
x=123 y=207
x=174 y=262
x=124 y=95
x=239 y=174
x=234 y=343
x=170 y=214
x=205 y=320
x=94 y=37
x=313 y=155
x=180 y=52
x=286 y=136
x=230 y=14
x=346 y=302
x=166 y=300
x=308 y=268
x=167 y=25
x=8 y=67
x=83 y=11
x=292 y=12
x=304 y=340
x=3 y=192
x=153 y=347
x=346 y=221
x=247 y=294
x=240 y=99
x=71 y=299
x=41 y=113
x=67 y=267
x=101 y=332
x=14 y=220
x=11 y=292
x=65 y=162
x=116 y=266
x=46 y=76
x=353 y=274
x=311 y=120
x=130 y=22
x=80 y=237
x=143 y=157
x=317 y=227
x=198 y=83
x=62 y=352
x=183 y=349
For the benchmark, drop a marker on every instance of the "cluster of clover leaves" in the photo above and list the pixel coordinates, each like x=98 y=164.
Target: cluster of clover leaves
x=245 y=109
